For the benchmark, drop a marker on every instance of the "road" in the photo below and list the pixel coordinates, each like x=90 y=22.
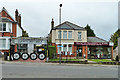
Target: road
x=46 y=70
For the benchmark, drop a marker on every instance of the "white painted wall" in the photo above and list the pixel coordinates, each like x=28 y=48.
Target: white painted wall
x=19 y=31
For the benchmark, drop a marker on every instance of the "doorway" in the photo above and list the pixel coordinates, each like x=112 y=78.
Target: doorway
x=79 y=51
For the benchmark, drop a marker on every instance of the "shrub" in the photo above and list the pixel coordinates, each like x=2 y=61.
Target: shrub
x=51 y=51
x=117 y=58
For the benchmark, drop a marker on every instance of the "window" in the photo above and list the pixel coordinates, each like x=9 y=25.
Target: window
x=65 y=47
x=2 y=26
x=59 y=49
x=2 y=43
x=59 y=34
x=70 y=48
x=70 y=34
x=64 y=34
x=79 y=35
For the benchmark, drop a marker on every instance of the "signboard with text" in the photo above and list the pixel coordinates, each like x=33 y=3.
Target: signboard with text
x=92 y=43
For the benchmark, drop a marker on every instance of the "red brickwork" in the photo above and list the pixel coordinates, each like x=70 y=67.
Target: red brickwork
x=112 y=53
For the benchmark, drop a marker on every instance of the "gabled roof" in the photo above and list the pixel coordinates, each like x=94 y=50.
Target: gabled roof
x=4 y=19
x=3 y=9
x=69 y=25
x=95 y=39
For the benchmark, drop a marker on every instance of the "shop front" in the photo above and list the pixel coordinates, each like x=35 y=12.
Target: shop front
x=94 y=50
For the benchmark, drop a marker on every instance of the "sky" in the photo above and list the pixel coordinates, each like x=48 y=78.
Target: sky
x=101 y=15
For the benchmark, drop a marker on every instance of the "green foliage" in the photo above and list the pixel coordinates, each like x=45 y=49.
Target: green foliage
x=117 y=58
x=100 y=60
x=90 y=32
x=49 y=41
x=65 y=59
x=114 y=38
x=24 y=34
x=52 y=51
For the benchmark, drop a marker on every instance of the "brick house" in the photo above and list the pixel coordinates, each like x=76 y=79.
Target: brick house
x=9 y=28
x=74 y=41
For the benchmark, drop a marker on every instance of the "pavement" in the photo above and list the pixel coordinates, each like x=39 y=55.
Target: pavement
x=43 y=62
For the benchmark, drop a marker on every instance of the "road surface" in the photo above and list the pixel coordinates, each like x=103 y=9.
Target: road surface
x=47 y=70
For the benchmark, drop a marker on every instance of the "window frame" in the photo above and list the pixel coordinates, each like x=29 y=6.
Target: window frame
x=69 y=35
x=80 y=36
x=3 y=43
x=59 y=36
x=2 y=27
x=64 y=34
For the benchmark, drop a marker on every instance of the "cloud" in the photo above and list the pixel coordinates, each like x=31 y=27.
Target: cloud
x=37 y=14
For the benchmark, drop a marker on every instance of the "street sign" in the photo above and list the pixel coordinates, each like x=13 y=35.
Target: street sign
x=59 y=46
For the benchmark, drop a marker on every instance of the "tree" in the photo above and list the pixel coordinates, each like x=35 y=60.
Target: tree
x=114 y=38
x=24 y=34
x=90 y=32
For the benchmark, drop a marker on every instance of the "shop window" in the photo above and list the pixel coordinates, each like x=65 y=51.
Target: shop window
x=59 y=49
x=70 y=48
x=65 y=47
x=99 y=52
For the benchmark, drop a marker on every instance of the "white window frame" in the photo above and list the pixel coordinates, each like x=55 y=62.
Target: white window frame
x=69 y=34
x=3 y=27
x=64 y=34
x=79 y=35
x=70 y=48
x=59 y=36
x=8 y=27
x=7 y=43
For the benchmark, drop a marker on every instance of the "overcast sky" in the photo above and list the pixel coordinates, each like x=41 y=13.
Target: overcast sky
x=101 y=15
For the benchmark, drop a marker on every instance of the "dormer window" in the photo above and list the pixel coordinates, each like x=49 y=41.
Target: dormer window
x=2 y=26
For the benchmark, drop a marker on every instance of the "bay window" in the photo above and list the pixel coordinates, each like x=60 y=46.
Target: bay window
x=70 y=48
x=65 y=47
x=2 y=43
x=2 y=26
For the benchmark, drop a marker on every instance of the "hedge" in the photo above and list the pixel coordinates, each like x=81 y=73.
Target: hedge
x=51 y=51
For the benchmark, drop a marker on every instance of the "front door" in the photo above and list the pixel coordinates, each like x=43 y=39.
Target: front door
x=79 y=51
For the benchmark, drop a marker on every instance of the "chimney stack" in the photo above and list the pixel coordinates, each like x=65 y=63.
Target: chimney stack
x=52 y=24
x=19 y=20
x=16 y=15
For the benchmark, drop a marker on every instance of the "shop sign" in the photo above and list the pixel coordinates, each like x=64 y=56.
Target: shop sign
x=92 y=43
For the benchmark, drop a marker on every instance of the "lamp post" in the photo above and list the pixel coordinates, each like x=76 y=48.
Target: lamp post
x=60 y=33
x=47 y=50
